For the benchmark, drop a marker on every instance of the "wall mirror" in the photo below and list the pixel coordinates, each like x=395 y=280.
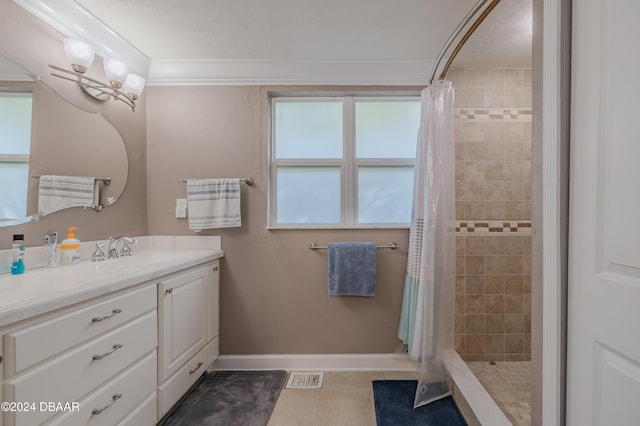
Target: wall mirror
x=41 y=133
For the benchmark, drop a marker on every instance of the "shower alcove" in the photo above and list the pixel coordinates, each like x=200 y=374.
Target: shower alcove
x=493 y=231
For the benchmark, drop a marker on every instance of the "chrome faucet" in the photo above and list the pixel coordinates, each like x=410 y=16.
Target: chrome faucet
x=112 y=251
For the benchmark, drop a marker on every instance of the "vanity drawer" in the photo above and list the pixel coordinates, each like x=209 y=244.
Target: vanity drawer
x=28 y=346
x=176 y=386
x=73 y=374
x=145 y=414
x=133 y=386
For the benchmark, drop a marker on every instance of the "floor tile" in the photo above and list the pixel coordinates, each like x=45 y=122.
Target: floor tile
x=346 y=399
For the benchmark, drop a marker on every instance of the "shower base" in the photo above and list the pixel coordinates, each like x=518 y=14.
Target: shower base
x=509 y=384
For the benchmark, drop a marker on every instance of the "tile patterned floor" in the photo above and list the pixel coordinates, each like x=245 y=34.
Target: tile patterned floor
x=346 y=399
x=509 y=384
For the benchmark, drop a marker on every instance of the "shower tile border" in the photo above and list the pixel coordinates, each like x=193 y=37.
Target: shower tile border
x=484 y=114
x=476 y=227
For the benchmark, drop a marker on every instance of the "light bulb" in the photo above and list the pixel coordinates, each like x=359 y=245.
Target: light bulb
x=79 y=53
x=133 y=85
x=116 y=72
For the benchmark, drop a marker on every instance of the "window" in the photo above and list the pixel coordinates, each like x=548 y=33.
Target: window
x=15 y=141
x=342 y=162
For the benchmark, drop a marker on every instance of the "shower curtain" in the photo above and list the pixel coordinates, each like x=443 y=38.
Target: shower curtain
x=426 y=323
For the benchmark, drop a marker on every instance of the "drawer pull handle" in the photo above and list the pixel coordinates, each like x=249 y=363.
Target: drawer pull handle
x=168 y=291
x=215 y=269
x=115 y=348
x=98 y=319
x=195 y=369
x=114 y=398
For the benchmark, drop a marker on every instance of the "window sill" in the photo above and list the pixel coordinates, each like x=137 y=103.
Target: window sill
x=335 y=227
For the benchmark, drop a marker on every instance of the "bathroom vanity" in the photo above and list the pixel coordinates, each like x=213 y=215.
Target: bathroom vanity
x=113 y=342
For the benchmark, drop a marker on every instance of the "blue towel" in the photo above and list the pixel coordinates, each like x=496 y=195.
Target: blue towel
x=352 y=269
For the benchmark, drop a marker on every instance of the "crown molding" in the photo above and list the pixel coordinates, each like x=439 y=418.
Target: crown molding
x=14 y=77
x=289 y=72
x=73 y=20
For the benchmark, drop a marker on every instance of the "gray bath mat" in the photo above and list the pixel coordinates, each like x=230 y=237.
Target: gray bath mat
x=230 y=398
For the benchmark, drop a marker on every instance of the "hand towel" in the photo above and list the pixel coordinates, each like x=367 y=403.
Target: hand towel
x=213 y=203
x=61 y=192
x=352 y=269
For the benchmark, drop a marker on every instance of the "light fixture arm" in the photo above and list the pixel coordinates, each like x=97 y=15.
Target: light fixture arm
x=95 y=88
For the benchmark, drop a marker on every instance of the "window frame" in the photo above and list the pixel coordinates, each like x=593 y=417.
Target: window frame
x=348 y=164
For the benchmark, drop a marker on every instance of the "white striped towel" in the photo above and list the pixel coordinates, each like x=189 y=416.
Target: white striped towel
x=213 y=203
x=61 y=192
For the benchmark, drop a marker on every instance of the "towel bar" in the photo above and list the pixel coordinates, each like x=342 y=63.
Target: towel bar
x=314 y=246
x=105 y=180
x=249 y=181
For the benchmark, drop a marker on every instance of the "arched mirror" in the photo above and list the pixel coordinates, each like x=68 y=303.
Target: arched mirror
x=43 y=134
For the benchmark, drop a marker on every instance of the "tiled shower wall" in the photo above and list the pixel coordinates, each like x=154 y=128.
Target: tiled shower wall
x=493 y=213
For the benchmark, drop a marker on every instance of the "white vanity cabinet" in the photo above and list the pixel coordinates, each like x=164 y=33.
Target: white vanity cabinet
x=83 y=359
x=188 y=310
x=117 y=342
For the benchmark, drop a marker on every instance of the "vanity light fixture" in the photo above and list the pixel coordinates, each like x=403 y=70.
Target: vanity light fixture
x=123 y=85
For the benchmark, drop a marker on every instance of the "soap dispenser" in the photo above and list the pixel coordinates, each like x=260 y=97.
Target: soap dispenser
x=70 y=247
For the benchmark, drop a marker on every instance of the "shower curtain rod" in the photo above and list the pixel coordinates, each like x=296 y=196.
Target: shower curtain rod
x=464 y=39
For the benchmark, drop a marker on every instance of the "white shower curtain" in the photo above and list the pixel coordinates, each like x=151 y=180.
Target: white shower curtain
x=426 y=323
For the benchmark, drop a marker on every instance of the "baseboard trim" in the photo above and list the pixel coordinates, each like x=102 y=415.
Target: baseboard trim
x=329 y=362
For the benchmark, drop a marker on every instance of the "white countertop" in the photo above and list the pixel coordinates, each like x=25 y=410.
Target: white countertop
x=44 y=289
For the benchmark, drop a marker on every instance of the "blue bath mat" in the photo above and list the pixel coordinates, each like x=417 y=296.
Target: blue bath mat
x=394 y=406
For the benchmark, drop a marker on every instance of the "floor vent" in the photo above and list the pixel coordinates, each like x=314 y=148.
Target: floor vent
x=305 y=380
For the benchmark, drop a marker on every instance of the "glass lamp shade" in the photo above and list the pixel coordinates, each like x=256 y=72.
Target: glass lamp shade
x=133 y=85
x=79 y=53
x=116 y=72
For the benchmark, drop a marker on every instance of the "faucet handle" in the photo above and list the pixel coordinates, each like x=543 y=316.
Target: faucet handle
x=126 y=249
x=98 y=255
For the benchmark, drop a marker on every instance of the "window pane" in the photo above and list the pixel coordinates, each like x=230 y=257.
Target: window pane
x=385 y=194
x=308 y=129
x=14 y=196
x=387 y=129
x=15 y=122
x=308 y=195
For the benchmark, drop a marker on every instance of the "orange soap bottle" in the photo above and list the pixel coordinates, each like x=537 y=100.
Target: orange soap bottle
x=70 y=248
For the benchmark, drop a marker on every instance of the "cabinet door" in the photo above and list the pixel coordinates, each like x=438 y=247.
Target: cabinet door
x=184 y=318
x=214 y=301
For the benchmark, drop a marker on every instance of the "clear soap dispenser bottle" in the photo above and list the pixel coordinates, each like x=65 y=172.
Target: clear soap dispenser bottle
x=17 y=254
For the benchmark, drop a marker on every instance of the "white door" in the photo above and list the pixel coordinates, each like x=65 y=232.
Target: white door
x=603 y=365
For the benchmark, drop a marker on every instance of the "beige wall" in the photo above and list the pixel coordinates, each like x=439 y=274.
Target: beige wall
x=29 y=42
x=273 y=288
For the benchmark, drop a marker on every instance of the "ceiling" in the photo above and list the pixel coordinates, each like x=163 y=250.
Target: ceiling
x=315 y=29
x=372 y=41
